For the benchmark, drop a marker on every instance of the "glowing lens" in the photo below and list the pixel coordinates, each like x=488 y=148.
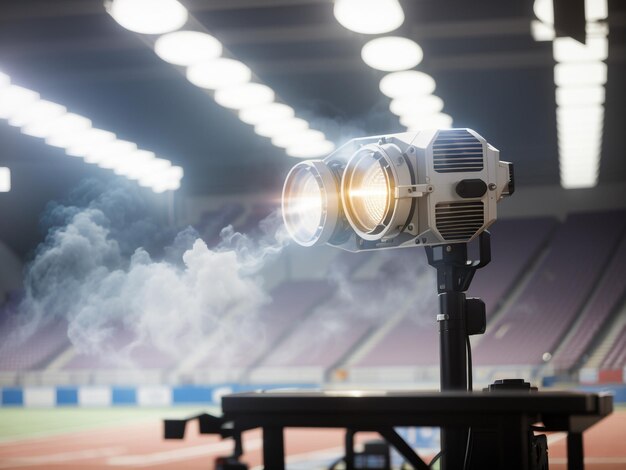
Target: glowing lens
x=368 y=193
x=303 y=206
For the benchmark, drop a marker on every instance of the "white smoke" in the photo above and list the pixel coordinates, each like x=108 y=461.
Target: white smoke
x=86 y=274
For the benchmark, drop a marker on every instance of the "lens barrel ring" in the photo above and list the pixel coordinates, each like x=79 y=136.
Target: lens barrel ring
x=397 y=173
x=329 y=200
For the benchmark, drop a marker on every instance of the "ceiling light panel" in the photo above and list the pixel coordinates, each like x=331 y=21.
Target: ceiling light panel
x=206 y=64
x=23 y=108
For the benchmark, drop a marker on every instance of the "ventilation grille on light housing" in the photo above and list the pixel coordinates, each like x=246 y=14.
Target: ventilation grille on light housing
x=457 y=150
x=459 y=220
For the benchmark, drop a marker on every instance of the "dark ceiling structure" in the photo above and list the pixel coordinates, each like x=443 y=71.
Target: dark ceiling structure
x=491 y=74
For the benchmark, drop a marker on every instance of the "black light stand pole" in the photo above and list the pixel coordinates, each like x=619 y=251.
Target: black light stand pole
x=454 y=275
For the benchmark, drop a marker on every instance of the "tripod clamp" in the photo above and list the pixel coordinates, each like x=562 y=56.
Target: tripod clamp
x=454 y=275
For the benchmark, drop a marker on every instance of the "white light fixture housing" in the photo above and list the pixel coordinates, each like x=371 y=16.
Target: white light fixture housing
x=397 y=190
x=148 y=16
x=369 y=16
x=187 y=47
x=5 y=180
x=392 y=54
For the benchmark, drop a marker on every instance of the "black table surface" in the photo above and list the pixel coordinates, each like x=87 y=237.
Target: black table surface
x=288 y=402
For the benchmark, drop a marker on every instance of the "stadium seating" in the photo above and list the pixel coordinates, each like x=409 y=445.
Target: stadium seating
x=376 y=311
x=616 y=357
x=31 y=348
x=548 y=305
x=601 y=306
x=291 y=302
x=414 y=341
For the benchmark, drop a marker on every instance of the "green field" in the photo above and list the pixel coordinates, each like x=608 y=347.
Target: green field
x=17 y=423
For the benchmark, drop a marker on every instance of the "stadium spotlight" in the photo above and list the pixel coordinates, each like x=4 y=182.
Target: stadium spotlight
x=423 y=188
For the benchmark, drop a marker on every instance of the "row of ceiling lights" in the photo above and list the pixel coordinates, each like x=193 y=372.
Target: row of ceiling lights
x=579 y=75
x=231 y=81
x=34 y=116
x=411 y=91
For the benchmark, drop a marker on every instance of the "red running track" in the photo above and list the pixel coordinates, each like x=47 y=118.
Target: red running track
x=142 y=446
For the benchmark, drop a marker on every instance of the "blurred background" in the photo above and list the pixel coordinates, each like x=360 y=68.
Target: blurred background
x=144 y=271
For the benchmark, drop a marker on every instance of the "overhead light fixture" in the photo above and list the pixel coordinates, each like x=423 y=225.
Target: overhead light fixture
x=148 y=16
x=187 y=47
x=369 y=16
x=408 y=83
x=254 y=115
x=60 y=127
x=74 y=133
x=570 y=50
x=219 y=73
x=396 y=191
x=416 y=106
x=392 y=54
x=105 y=155
x=15 y=98
x=433 y=121
x=36 y=112
x=303 y=137
x=310 y=149
x=5 y=180
x=231 y=81
x=244 y=95
x=541 y=31
x=273 y=129
x=584 y=73
x=579 y=76
x=583 y=95
x=5 y=80
x=79 y=145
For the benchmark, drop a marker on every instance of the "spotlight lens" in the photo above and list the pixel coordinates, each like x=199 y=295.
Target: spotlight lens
x=368 y=193
x=303 y=208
